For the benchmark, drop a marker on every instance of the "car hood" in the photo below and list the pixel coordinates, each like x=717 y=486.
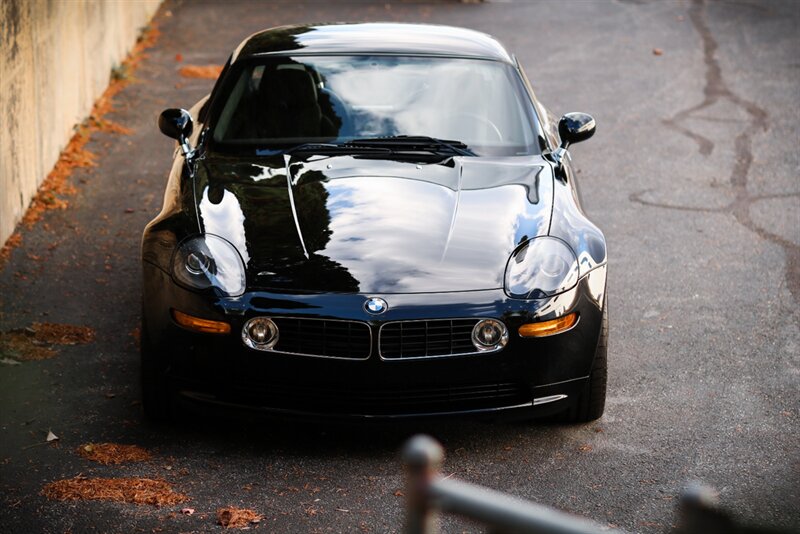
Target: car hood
x=351 y=224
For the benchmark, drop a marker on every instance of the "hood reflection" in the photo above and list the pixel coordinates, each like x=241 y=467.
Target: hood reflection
x=380 y=226
x=225 y=219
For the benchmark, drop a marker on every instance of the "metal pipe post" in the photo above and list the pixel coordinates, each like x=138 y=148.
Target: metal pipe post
x=422 y=460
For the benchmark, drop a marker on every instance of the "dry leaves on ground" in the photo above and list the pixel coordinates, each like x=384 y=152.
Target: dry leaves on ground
x=35 y=342
x=155 y=492
x=56 y=186
x=11 y=243
x=20 y=346
x=113 y=453
x=210 y=72
x=232 y=517
x=62 y=334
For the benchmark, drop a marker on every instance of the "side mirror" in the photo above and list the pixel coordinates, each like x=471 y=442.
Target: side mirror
x=177 y=124
x=575 y=127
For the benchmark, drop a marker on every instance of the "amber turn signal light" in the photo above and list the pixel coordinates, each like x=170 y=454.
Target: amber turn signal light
x=200 y=325
x=549 y=328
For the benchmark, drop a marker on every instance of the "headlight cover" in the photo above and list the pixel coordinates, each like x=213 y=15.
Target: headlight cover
x=541 y=268
x=206 y=261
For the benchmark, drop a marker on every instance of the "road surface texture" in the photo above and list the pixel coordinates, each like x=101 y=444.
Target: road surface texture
x=693 y=176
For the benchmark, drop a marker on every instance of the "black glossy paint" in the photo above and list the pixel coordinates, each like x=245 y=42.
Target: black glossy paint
x=373 y=38
x=432 y=238
x=176 y=123
x=376 y=226
x=575 y=127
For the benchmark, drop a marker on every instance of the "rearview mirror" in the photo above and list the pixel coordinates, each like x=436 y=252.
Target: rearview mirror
x=575 y=127
x=177 y=124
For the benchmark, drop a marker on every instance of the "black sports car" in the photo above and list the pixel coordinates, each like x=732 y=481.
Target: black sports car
x=374 y=220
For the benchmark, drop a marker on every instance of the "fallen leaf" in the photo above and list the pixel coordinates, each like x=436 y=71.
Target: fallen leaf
x=130 y=490
x=113 y=453
x=210 y=72
x=657 y=52
x=62 y=334
x=5 y=252
x=233 y=517
x=585 y=448
x=178 y=57
x=51 y=436
x=22 y=346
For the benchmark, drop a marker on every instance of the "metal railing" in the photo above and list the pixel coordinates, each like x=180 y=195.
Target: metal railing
x=428 y=494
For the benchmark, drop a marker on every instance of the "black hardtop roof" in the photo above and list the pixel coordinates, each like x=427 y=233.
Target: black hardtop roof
x=373 y=38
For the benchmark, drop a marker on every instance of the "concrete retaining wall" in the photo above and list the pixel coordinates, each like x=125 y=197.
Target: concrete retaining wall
x=55 y=61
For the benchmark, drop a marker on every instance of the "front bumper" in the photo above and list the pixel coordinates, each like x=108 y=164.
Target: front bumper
x=534 y=376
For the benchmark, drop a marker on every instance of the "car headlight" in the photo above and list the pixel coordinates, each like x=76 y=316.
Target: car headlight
x=209 y=261
x=540 y=268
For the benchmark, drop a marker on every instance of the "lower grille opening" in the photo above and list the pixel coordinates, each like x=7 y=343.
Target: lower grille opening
x=377 y=400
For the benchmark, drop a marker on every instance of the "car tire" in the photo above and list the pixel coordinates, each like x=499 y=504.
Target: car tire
x=592 y=399
x=156 y=394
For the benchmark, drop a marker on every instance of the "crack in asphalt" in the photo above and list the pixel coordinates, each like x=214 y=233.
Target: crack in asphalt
x=716 y=89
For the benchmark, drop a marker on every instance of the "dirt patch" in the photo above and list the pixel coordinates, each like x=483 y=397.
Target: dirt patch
x=127 y=490
x=210 y=72
x=113 y=453
x=36 y=341
x=232 y=517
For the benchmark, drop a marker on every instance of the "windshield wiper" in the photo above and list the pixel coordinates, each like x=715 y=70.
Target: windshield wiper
x=324 y=149
x=414 y=143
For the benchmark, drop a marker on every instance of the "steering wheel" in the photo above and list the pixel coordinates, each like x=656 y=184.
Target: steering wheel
x=342 y=111
x=482 y=121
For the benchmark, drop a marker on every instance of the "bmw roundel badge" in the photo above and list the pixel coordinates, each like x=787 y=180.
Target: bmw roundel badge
x=376 y=306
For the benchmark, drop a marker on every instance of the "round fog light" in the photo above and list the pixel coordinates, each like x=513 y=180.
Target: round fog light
x=489 y=334
x=260 y=333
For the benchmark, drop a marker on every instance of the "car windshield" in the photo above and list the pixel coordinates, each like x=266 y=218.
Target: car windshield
x=280 y=102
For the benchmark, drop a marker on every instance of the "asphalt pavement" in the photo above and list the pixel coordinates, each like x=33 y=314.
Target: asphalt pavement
x=692 y=175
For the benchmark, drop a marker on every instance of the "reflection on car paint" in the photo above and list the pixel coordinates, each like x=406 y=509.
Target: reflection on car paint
x=374 y=230
x=225 y=218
